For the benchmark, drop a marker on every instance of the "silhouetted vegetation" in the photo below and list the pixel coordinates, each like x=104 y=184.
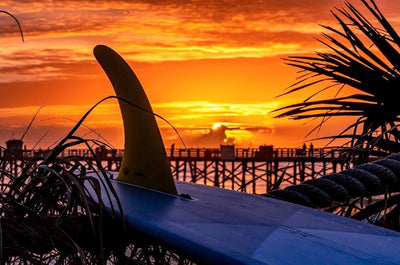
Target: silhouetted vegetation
x=364 y=55
x=16 y=20
x=63 y=210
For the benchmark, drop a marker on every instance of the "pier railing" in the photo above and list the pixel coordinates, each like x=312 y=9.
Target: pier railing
x=254 y=170
x=252 y=153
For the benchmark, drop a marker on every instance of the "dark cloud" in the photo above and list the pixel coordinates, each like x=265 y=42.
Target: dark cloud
x=45 y=55
x=181 y=23
x=232 y=15
x=255 y=38
x=43 y=64
x=53 y=18
x=289 y=11
x=213 y=138
x=206 y=137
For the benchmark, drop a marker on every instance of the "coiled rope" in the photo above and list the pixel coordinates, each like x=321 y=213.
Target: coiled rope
x=362 y=180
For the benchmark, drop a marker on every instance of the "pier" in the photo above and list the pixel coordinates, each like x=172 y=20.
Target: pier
x=252 y=170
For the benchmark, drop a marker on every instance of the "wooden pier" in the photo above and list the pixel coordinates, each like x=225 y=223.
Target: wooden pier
x=254 y=170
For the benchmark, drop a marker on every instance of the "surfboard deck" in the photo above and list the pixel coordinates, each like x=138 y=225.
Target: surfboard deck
x=220 y=226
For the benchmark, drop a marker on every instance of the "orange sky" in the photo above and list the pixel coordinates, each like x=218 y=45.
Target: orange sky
x=200 y=62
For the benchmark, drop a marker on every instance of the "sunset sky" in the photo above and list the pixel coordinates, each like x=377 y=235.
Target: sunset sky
x=203 y=64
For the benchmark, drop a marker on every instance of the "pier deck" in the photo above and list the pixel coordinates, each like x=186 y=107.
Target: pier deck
x=253 y=170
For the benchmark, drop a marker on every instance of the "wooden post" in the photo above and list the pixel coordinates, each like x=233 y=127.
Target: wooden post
x=244 y=169
x=177 y=169
x=216 y=175
x=205 y=172
x=223 y=174
x=312 y=169
x=268 y=175
x=184 y=169
x=276 y=166
x=253 y=166
x=233 y=175
x=294 y=173
x=302 y=168
x=194 y=171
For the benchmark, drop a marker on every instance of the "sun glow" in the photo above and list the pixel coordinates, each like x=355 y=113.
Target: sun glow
x=216 y=126
x=214 y=75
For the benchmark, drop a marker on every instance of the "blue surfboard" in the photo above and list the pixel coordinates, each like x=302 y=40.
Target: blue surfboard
x=219 y=226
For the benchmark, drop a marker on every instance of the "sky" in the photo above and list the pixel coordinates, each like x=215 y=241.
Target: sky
x=213 y=69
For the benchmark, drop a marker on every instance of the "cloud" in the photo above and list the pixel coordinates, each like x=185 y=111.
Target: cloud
x=231 y=15
x=60 y=35
x=179 y=30
x=246 y=130
x=242 y=124
x=213 y=138
x=42 y=64
x=236 y=128
x=216 y=108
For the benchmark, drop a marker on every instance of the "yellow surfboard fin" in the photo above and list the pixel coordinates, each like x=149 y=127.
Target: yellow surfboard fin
x=145 y=161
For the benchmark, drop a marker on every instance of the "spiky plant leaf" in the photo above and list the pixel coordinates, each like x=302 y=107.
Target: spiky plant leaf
x=362 y=56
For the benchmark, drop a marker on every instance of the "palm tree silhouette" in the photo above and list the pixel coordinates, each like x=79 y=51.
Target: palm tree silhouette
x=366 y=57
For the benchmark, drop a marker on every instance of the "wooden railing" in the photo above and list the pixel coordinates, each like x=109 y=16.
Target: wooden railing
x=190 y=153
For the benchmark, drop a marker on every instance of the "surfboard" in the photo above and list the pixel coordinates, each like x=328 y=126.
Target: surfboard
x=219 y=226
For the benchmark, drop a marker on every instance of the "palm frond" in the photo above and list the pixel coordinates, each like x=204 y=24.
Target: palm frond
x=375 y=73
